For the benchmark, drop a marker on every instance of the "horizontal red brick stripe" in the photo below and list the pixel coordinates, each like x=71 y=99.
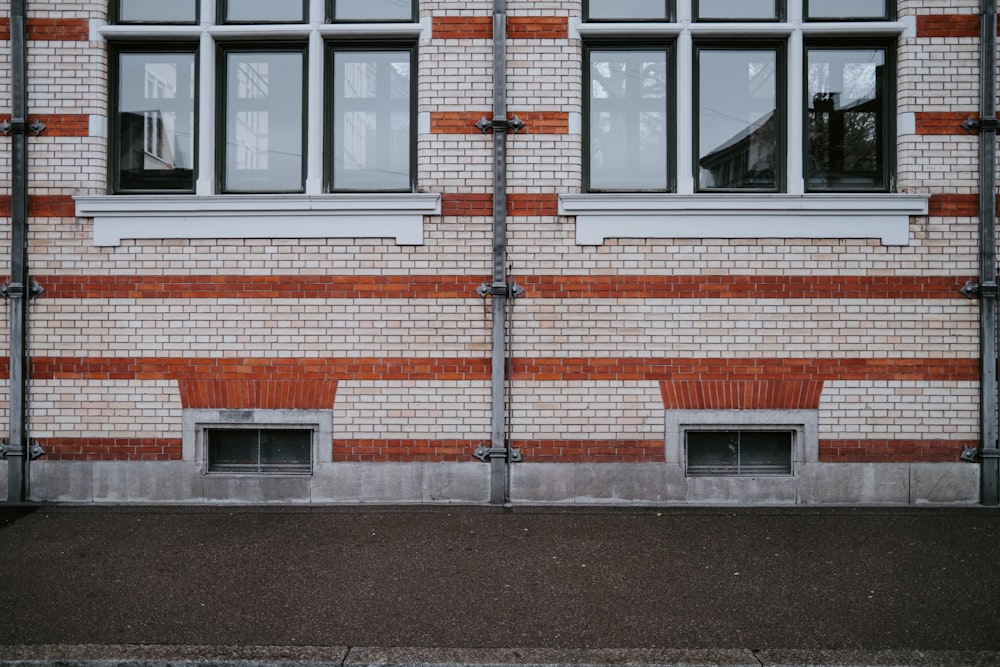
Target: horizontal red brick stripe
x=954 y=206
x=4 y=29
x=64 y=125
x=258 y=393
x=590 y=451
x=299 y=370
x=112 y=449
x=892 y=451
x=59 y=30
x=404 y=450
x=942 y=122
x=756 y=370
x=43 y=206
x=537 y=27
x=948 y=25
x=741 y=395
x=656 y=369
x=462 y=27
x=537 y=287
x=481 y=204
x=464 y=122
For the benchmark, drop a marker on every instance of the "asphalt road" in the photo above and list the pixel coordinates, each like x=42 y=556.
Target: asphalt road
x=482 y=577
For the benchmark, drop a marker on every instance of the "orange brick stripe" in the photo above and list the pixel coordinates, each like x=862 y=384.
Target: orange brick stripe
x=537 y=287
x=538 y=27
x=404 y=450
x=258 y=393
x=948 y=25
x=112 y=449
x=4 y=29
x=943 y=122
x=954 y=206
x=64 y=125
x=464 y=122
x=462 y=27
x=42 y=206
x=895 y=451
x=59 y=30
x=741 y=395
x=591 y=451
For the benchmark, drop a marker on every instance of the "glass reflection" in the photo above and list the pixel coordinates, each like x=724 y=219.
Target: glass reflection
x=846 y=9
x=175 y=11
x=372 y=10
x=243 y=11
x=737 y=9
x=628 y=9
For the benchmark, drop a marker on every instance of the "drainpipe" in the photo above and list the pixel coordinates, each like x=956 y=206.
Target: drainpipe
x=499 y=455
x=17 y=291
x=990 y=484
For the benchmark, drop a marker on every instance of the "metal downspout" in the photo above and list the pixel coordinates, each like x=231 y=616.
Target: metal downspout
x=990 y=478
x=16 y=448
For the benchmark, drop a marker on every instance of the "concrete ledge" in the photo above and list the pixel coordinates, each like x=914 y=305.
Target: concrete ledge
x=343 y=656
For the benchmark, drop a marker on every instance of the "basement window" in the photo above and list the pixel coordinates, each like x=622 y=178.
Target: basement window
x=281 y=451
x=739 y=453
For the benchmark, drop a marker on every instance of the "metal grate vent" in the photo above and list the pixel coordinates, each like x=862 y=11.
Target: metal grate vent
x=748 y=453
x=273 y=451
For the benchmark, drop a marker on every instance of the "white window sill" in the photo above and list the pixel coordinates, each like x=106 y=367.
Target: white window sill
x=396 y=216
x=743 y=216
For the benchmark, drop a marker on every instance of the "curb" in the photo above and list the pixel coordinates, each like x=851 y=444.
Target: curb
x=90 y=655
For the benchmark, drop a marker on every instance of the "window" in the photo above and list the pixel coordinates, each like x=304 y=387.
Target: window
x=154 y=121
x=737 y=10
x=262 y=113
x=628 y=10
x=739 y=116
x=258 y=450
x=739 y=453
x=840 y=10
x=240 y=124
x=371 y=107
x=629 y=127
x=849 y=108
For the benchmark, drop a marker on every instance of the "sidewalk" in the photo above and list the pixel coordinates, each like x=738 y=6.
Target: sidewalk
x=481 y=586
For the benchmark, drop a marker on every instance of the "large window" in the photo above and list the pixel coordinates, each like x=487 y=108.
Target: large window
x=247 y=115
x=780 y=99
x=258 y=450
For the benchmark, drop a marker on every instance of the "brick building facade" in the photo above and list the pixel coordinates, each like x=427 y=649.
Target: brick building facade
x=269 y=258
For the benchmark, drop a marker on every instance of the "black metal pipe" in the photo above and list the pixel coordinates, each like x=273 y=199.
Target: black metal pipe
x=18 y=292
x=990 y=455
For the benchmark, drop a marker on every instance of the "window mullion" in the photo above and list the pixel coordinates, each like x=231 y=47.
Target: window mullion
x=314 y=113
x=684 y=113
x=795 y=150
x=206 y=109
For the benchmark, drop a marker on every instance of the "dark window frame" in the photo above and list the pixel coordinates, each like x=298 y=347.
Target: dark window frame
x=670 y=15
x=223 y=49
x=115 y=12
x=890 y=14
x=331 y=15
x=888 y=109
x=297 y=468
x=780 y=48
x=780 y=11
x=330 y=112
x=115 y=50
x=737 y=471
x=669 y=47
x=222 y=9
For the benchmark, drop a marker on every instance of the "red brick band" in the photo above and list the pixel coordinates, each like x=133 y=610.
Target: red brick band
x=464 y=122
x=59 y=30
x=741 y=394
x=260 y=394
x=112 y=449
x=892 y=451
x=518 y=27
x=948 y=25
x=43 y=206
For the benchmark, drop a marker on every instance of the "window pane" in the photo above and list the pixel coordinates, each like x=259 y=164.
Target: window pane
x=737 y=9
x=739 y=453
x=236 y=450
x=712 y=452
x=628 y=9
x=372 y=10
x=291 y=11
x=155 y=119
x=846 y=119
x=846 y=9
x=232 y=448
x=738 y=125
x=628 y=120
x=765 y=453
x=371 y=120
x=264 y=122
x=285 y=448
x=174 y=11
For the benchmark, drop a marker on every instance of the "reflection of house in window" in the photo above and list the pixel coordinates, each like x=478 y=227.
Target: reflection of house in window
x=252 y=127
x=745 y=161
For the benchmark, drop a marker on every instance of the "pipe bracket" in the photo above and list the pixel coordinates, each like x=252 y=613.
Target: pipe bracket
x=987 y=289
x=487 y=454
x=513 y=291
x=513 y=125
x=972 y=124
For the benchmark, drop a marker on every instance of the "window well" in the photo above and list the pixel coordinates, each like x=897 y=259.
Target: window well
x=264 y=450
x=739 y=453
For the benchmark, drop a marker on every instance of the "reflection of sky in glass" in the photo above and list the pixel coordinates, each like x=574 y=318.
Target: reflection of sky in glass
x=737 y=90
x=160 y=88
x=846 y=8
x=368 y=10
x=850 y=74
x=158 y=10
x=736 y=9
x=264 y=10
x=628 y=9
